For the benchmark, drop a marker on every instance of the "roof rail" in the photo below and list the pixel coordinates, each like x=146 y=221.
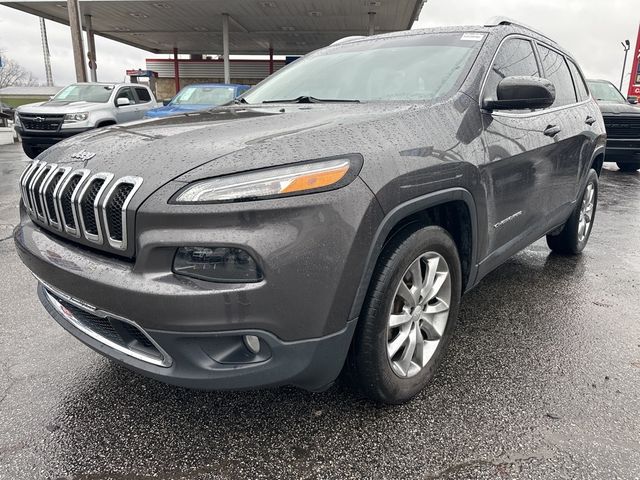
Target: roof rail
x=496 y=21
x=348 y=39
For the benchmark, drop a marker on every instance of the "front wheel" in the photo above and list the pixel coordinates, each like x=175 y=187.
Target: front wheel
x=576 y=231
x=628 y=166
x=408 y=315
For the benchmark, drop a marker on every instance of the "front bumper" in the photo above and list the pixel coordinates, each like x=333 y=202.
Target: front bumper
x=622 y=150
x=45 y=139
x=311 y=248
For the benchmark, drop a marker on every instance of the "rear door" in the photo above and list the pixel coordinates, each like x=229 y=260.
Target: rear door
x=571 y=143
x=519 y=172
x=144 y=101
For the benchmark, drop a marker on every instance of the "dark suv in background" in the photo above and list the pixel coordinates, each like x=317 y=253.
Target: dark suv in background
x=622 y=122
x=331 y=218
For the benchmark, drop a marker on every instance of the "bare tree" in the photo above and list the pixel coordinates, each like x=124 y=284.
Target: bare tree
x=14 y=74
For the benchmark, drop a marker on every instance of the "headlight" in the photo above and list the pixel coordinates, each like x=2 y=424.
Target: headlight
x=75 y=117
x=296 y=179
x=16 y=120
x=217 y=264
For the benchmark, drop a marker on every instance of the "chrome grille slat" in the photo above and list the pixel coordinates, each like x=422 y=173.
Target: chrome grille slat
x=105 y=178
x=86 y=206
x=49 y=196
x=135 y=182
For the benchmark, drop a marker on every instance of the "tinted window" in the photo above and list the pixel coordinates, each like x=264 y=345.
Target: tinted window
x=578 y=80
x=556 y=70
x=515 y=58
x=143 y=95
x=404 y=68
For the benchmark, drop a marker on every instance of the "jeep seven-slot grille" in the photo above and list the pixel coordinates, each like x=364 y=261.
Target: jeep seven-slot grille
x=79 y=204
x=626 y=127
x=88 y=212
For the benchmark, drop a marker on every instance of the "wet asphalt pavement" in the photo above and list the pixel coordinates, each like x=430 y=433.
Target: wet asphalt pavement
x=542 y=380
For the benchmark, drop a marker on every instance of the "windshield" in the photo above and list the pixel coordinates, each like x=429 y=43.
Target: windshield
x=605 y=92
x=201 y=95
x=86 y=93
x=410 y=67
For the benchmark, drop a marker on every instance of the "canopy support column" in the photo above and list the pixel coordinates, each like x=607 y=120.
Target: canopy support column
x=75 y=24
x=176 y=68
x=91 y=48
x=225 y=47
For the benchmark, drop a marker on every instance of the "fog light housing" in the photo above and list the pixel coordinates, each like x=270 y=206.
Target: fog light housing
x=217 y=264
x=252 y=343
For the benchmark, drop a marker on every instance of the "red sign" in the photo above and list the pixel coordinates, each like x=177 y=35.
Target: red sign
x=634 y=82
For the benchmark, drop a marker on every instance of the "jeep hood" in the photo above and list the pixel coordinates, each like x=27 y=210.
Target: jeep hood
x=228 y=140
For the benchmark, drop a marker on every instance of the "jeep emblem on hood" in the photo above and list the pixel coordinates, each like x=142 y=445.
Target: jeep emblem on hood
x=83 y=155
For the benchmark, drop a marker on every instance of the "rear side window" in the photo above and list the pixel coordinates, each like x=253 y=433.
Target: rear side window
x=515 y=58
x=578 y=80
x=556 y=70
x=143 y=95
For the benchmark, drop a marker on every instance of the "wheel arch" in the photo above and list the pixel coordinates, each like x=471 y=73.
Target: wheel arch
x=597 y=159
x=429 y=209
x=105 y=123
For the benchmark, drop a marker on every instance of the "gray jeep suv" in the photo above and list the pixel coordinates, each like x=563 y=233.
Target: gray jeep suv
x=330 y=218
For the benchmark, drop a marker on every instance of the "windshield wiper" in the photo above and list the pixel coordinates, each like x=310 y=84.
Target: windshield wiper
x=308 y=99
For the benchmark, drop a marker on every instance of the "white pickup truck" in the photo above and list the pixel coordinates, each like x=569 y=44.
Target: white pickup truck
x=77 y=108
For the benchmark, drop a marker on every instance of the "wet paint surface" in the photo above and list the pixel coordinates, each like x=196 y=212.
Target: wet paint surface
x=542 y=380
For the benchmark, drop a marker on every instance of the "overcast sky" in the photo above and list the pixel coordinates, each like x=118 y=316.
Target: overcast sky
x=590 y=29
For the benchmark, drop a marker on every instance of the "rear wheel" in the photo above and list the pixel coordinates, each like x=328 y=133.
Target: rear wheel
x=408 y=316
x=574 y=235
x=628 y=166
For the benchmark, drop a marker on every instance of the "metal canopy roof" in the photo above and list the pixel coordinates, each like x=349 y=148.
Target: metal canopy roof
x=195 y=26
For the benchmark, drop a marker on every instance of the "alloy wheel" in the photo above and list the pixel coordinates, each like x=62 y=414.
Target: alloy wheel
x=419 y=314
x=586 y=212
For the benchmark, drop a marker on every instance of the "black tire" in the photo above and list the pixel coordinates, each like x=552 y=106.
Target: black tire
x=568 y=241
x=628 y=166
x=368 y=365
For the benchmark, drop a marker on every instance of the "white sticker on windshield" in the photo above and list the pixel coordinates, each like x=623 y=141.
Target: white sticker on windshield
x=472 y=37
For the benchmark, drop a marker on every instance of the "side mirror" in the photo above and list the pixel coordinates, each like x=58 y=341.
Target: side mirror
x=166 y=101
x=121 y=102
x=517 y=93
x=633 y=100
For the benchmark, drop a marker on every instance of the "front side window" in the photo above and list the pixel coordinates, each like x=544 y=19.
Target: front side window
x=85 y=93
x=605 y=92
x=556 y=70
x=204 y=95
x=406 y=68
x=126 y=93
x=515 y=58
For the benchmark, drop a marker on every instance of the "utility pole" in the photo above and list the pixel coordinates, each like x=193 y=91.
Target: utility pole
x=626 y=45
x=75 y=24
x=45 y=53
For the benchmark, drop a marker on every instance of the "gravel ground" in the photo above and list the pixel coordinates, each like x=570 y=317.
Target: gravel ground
x=542 y=380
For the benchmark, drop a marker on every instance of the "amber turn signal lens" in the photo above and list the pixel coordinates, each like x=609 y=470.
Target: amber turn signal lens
x=316 y=180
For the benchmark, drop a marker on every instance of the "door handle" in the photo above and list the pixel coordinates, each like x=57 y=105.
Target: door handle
x=590 y=120
x=552 y=130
